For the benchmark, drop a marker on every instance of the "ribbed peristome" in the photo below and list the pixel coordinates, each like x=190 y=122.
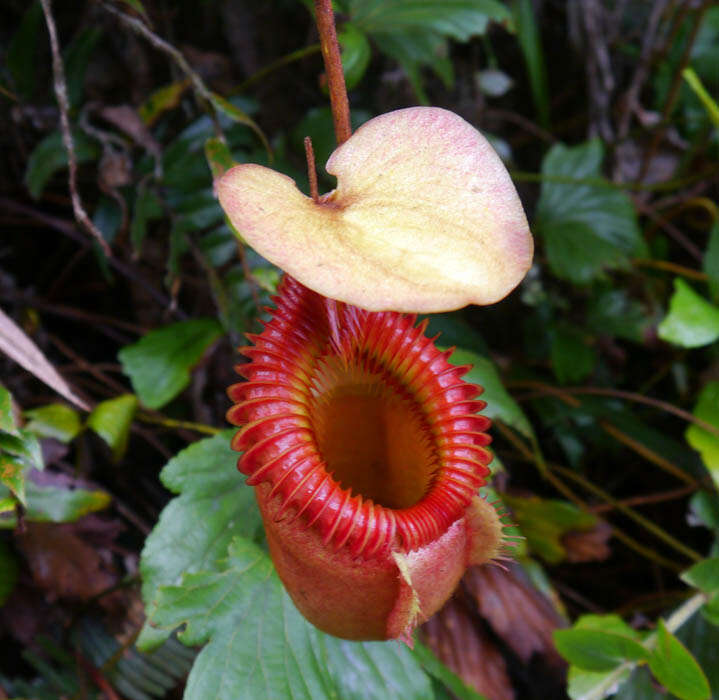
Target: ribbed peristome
x=318 y=371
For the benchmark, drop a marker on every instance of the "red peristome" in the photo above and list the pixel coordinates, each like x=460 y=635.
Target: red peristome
x=314 y=348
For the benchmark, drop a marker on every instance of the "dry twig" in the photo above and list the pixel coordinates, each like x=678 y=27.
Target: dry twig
x=58 y=72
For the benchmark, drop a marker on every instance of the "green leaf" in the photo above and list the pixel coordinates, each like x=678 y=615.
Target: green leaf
x=12 y=475
x=260 y=647
x=26 y=447
x=704 y=510
x=458 y=19
x=56 y=420
x=238 y=115
x=218 y=156
x=20 y=58
x=76 y=58
x=706 y=443
x=500 y=405
x=572 y=359
x=414 y=32
x=8 y=571
x=587 y=226
x=613 y=312
x=545 y=521
x=597 y=650
x=356 y=54
x=159 y=363
x=710 y=264
x=702 y=639
x=214 y=498
x=432 y=665
x=704 y=575
x=62 y=505
x=710 y=105
x=676 y=669
x=373 y=670
x=148 y=207
x=531 y=44
x=692 y=321
x=50 y=156
x=162 y=100
x=111 y=420
x=7 y=419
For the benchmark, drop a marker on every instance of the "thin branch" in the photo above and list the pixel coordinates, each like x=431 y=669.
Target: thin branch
x=311 y=170
x=674 y=88
x=671 y=267
x=58 y=71
x=647 y=524
x=70 y=230
x=623 y=395
x=282 y=61
x=139 y=27
x=333 y=65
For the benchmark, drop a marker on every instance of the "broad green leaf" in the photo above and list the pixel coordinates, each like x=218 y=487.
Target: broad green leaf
x=21 y=55
x=596 y=650
x=607 y=623
x=218 y=156
x=613 y=312
x=111 y=420
x=7 y=420
x=500 y=405
x=704 y=510
x=710 y=264
x=531 y=44
x=8 y=571
x=706 y=443
x=215 y=500
x=159 y=363
x=704 y=575
x=25 y=447
x=240 y=116
x=76 y=58
x=162 y=100
x=12 y=475
x=544 y=521
x=572 y=359
x=701 y=637
x=56 y=420
x=148 y=207
x=676 y=669
x=639 y=686
x=594 y=685
x=50 y=156
x=414 y=32
x=692 y=321
x=57 y=505
x=588 y=226
x=435 y=668
x=458 y=19
x=259 y=646
x=356 y=54
x=374 y=670
x=710 y=611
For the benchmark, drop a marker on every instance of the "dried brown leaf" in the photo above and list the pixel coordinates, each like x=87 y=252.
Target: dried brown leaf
x=15 y=343
x=522 y=616
x=465 y=647
x=62 y=563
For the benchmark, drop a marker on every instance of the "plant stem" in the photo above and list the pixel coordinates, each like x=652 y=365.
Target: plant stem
x=333 y=65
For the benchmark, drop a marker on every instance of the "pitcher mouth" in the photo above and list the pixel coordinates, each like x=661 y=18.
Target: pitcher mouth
x=359 y=424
